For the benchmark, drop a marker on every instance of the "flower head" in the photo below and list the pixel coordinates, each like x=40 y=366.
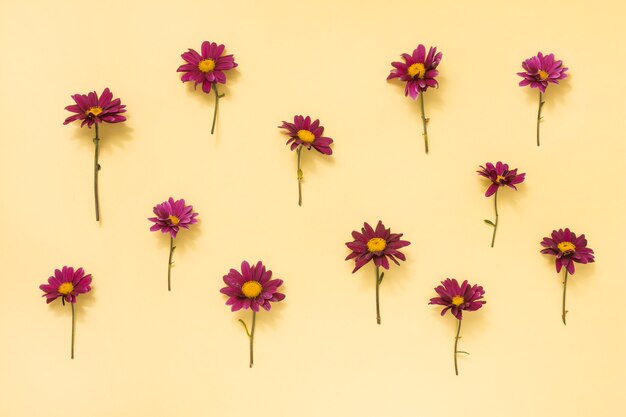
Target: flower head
x=568 y=249
x=171 y=216
x=93 y=109
x=457 y=297
x=308 y=134
x=541 y=70
x=379 y=245
x=417 y=70
x=500 y=175
x=251 y=288
x=66 y=283
x=207 y=67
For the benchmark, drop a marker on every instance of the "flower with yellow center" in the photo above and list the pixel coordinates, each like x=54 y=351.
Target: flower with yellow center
x=66 y=288
x=206 y=65
x=175 y=220
x=543 y=75
x=306 y=136
x=93 y=111
x=457 y=300
x=417 y=70
x=251 y=289
x=376 y=244
x=566 y=247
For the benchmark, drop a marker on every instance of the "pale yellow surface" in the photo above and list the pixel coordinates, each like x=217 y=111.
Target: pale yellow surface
x=141 y=351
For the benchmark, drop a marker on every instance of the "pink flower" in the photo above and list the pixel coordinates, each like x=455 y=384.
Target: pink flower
x=93 y=109
x=206 y=68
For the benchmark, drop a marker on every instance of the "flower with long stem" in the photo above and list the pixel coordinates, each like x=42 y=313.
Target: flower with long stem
x=567 y=249
x=456 y=298
x=304 y=133
x=538 y=71
x=377 y=245
x=93 y=110
x=171 y=215
x=418 y=71
x=68 y=284
x=499 y=175
x=252 y=288
x=207 y=68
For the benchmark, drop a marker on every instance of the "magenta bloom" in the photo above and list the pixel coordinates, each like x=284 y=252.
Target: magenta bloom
x=92 y=109
x=541 y=70
x=251 y=288
x=500 y=175
x=67 y=284
x=457 y=298
x=206 y=68
x=171 y=215
x=568 y=249
x=418 y=70
x=306 y=134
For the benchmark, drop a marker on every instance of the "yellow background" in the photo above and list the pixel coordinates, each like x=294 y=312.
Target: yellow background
x=141 y=351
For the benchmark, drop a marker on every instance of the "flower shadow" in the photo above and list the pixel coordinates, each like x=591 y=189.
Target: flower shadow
x=112 y=135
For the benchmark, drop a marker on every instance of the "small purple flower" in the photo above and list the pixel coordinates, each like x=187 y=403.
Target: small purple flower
x=540 y=70
x=92 y=109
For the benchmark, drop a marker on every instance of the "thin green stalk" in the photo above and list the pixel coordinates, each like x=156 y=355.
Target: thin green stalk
x=217 y=103
x=252 y=338
x=378 y=280
x=456 y=342
x=495 y=225
x=300 y=176
x=564 y=292
x=96 y=168
x=424 y=120
x=169 y=265
x=541 y=103
x=73 y=329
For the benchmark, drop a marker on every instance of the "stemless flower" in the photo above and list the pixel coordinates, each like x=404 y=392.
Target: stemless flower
x=538 y=71
x=499 y=175
x=418 y=71
x=207 y=68
x=306 y=134
x=567 y=249
x=377 y=245
x=251 y=288
x=456 y=298
x=68 y=284
x=171 y=215
x=93 y=110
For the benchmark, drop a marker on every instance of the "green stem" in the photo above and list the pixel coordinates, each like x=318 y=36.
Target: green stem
x=252 y=338
x=495 y=225
x=169 y=265
x=424 y=120
x=541 y=103
x=564 y=292
x=217 y=103
x=456 y=342
x=300 y=176
x=73 y=329
x=377 y=295
x=96 y=168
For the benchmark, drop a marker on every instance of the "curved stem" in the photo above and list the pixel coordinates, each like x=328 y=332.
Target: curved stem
x=564 y=292
x=217 y=103
x=252 y=338
x=495 y=225
x=377 y=295
x=456 y=342
x=96 y=168
x=424 y=120
x=73 y=330
x=300 y=176
x=541 y=103
x=169 y=265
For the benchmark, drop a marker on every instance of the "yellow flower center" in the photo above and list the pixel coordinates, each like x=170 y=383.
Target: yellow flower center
x=206 y=65
x=499 y=178
x=66 y=288
x=542 y=74
x=93 y=111
x=417 y=69
x=175 y=220
x=306 y=136
x=566 y=247
x=376 y=244
x=457 y=300
x=251 y=289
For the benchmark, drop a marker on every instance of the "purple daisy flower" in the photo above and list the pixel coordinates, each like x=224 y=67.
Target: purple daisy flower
x=418 y=71
x=377 y=245
x=499 y=175
x=540 y=70
x=251 y=288
x=568 y=249
x=68 y=284
x=306 y=134
x=171 y=215
x=457 y=298
x=93 y=110
x=207 y=68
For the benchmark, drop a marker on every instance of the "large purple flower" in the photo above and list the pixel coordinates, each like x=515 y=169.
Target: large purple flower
x=568 y=249
x=92 y=109
x=540 y=70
